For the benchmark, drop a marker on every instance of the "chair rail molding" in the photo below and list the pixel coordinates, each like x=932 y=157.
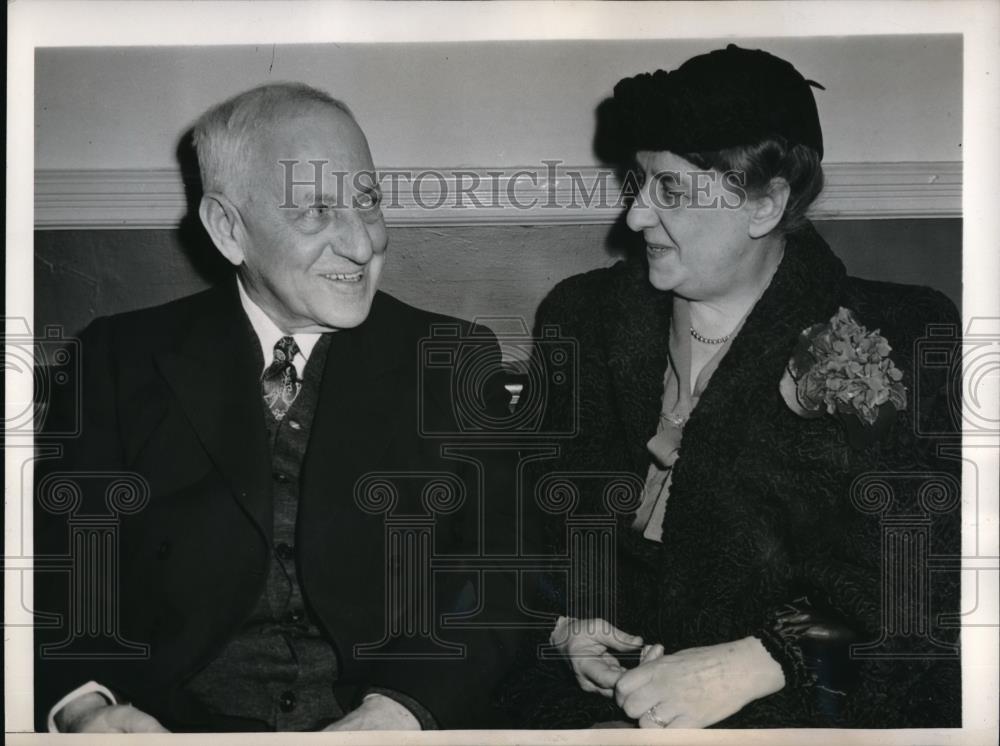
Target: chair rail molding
x=547 y=194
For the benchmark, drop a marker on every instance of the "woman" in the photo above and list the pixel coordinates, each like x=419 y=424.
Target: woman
x=750 y=564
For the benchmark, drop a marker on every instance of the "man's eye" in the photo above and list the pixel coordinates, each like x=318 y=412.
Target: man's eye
x=316 y=211
x=367 y=200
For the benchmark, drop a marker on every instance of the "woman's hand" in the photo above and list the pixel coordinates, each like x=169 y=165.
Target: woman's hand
x=698 y=687
x=585 y=644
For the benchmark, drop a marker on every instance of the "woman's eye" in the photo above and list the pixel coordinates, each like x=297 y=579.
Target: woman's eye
x=671 y=192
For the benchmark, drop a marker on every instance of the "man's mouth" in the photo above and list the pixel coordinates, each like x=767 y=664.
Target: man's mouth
x=344 y=276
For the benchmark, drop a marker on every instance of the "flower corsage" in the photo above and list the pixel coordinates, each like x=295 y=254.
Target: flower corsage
x=841 y=369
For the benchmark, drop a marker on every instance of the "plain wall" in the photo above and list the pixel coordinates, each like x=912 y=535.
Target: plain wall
x=497 y=104
x=887 y=98
x=467 y=272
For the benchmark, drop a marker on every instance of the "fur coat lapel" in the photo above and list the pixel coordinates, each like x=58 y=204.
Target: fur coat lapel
x=804 y=291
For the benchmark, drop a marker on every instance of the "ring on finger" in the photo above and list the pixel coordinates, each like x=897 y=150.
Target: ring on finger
x=651 y=712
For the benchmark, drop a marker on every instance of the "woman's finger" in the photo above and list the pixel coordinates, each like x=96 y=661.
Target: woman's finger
x=614 y=638
x=665 y=716
x=630 y=681
x=651 y=653
x=684 y=721
x=602 y=633
x=589 y=686
x=602 y=674
x=611 y=662
x=638 y=702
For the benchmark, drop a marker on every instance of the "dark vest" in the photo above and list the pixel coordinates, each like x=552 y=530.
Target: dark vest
x=279 y=670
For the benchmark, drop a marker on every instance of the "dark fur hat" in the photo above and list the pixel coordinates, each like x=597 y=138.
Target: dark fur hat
x=722 y=99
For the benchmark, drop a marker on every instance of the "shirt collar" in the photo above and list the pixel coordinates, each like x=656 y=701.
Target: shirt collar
x=268 y=332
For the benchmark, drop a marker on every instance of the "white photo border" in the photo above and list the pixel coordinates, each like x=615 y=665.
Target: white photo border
x=77 y=23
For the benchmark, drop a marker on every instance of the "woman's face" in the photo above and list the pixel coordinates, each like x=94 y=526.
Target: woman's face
x=697 y=228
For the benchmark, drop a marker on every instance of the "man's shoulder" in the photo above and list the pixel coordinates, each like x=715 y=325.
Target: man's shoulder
x=597 y=282
x=177 y=318
x=392 y=313
x=162 y=322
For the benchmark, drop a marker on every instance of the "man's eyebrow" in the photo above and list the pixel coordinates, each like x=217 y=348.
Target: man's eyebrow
x=326 y=198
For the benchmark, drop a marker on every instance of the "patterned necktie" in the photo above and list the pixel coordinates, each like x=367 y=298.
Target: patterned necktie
x=280 y=383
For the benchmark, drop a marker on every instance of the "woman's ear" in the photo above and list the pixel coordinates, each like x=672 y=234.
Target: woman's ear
x=224 y=224
x=767 y=210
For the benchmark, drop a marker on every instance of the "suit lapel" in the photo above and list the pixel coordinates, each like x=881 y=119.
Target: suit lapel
x=214 y=371
x=359 y=393
x=363 y=393
x=366 y=390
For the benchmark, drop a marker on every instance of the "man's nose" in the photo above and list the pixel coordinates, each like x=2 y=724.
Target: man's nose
x=352 y=240
x=640 y=213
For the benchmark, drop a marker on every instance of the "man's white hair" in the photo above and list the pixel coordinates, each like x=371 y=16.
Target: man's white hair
x=227 y=136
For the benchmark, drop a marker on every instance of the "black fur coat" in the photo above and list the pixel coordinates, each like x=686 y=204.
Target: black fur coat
x=761 y=512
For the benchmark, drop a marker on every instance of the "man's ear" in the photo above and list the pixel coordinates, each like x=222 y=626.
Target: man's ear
x=224 y=224
x=767 y=210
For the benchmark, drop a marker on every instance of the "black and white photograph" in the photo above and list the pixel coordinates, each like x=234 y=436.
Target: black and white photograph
x=540 y=372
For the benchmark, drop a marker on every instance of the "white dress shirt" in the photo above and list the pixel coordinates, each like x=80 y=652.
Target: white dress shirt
x=268 y=333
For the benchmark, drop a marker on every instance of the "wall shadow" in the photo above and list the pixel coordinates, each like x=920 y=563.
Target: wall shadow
x=191 y=234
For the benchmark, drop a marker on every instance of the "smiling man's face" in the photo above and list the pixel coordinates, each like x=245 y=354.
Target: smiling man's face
x=312 y=260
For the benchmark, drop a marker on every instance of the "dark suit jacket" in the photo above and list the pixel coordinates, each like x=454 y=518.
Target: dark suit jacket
x=172 y=394
x=764 y=507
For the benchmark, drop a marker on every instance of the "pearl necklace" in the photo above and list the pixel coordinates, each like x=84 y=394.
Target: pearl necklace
x=710 y=340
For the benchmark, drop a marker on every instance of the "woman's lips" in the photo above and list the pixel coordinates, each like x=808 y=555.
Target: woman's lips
x=658 y=249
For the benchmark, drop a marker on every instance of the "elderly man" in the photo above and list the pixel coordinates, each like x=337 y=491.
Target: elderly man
x=253 y=411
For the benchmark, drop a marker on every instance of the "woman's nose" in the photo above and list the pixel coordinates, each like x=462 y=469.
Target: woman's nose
x=640 y=214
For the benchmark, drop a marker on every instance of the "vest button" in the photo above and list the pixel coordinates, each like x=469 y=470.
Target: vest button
x=281 y=477
x=287 y=701
x=294 y=425
x=295 y=616
x=284 y=551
